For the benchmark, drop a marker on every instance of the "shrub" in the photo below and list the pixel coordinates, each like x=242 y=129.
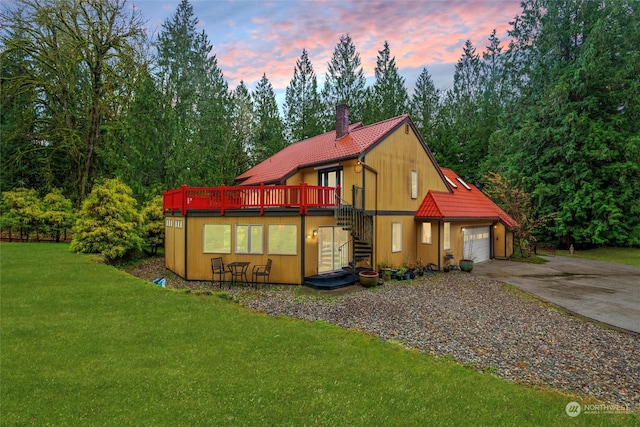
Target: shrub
x=109 y=223
x=22 y=209
x=153 y=224
x=58 y=215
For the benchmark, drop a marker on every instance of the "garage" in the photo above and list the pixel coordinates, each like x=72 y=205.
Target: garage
x=477 y=243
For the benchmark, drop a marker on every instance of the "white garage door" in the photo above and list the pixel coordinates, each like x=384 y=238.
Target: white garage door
x=477 y=244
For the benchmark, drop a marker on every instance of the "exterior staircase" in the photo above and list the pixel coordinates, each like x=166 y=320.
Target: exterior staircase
x=360 y=224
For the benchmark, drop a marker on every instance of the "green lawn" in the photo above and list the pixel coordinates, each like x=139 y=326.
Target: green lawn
x=86 y=344
x=629 y=256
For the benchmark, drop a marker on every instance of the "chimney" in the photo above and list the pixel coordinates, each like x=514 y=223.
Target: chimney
x=342 y=120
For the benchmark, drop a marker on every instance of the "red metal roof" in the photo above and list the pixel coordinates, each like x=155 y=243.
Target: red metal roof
x=461 y=204
x=318 y=150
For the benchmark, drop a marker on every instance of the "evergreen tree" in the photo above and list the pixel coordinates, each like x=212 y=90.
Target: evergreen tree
x=303 y=107
x=269 y=130
x=461 y=141
x=388 y=97
x=195 y=104
x=243 y=128
x=108 y=222
x=344 y=82
x=141 y=159
x=575 y=132
x=424 y=105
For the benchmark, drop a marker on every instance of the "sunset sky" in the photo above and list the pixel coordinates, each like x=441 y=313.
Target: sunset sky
x=254 y=37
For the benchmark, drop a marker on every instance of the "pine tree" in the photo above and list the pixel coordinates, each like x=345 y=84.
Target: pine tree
x=243 y=128
x=461 y=142
x=575 y=132
x=388 y=97
x=195 y=103
x=302 y=106
x=344 y=82
x=424 y=105
x=269 y=129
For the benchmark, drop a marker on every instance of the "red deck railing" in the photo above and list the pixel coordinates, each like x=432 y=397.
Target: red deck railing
x=261 y=196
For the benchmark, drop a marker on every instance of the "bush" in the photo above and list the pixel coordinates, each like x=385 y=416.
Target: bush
x=22 y=209
x=153 y=224
x=109 y=223
x=58 y=215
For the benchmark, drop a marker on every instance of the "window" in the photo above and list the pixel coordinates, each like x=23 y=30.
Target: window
x=169 y=222
x=426 y=233
x=249 y=239
x=217 y=239
x=283 y=239
x=396 y=237
x=447 y=236
x=414 y=184
x=330 y=177
x=178 y=223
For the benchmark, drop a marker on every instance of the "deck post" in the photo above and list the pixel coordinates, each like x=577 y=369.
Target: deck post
x=183 y=197
x=262 y=198
x=222 y=200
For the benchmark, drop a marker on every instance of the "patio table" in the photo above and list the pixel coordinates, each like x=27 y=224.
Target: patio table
x=238 y=271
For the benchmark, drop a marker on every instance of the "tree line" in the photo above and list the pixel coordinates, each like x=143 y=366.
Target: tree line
x=554 y=112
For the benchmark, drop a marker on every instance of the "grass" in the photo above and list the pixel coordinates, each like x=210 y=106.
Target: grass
x=628 y=256
x=87 y=344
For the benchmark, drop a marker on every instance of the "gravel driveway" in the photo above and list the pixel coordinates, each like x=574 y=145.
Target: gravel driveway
x=481 y=322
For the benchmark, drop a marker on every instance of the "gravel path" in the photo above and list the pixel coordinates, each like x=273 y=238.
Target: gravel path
x=480 y=322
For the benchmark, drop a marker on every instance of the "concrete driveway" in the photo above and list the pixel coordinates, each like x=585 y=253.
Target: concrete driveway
x=602 y=291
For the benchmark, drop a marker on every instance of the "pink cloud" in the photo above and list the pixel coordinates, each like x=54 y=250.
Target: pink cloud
x=254 y=38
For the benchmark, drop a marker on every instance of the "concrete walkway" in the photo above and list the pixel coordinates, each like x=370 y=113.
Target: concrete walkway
x=602 y=291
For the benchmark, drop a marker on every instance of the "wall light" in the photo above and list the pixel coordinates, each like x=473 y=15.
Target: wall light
x=315 y=233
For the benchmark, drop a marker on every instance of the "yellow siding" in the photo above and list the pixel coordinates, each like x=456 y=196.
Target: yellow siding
x=394 y=159
x=286 y=268
x=174 y=243
x=383 y=247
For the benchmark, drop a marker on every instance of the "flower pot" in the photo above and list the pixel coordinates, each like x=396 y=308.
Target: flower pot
x=466 y=265
x=368 y=279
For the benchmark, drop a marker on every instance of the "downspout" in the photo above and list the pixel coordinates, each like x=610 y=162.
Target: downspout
x=439 y=246
x=492 y=248
x=186 y=247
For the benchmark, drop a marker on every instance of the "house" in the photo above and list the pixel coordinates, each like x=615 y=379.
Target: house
x=358 y=196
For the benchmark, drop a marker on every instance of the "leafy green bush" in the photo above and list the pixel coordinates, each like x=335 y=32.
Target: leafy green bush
x=22 y=209
x=153 y=224
x=58 y=215
x=109 y=223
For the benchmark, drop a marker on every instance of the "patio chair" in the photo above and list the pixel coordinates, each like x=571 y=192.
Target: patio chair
x=261 y=271
x=218 y=268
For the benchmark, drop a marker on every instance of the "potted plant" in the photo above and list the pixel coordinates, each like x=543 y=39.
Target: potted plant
x=467 y=264
x=448 y=259
x=369 y=278
x=384 y=270
x=402 y=273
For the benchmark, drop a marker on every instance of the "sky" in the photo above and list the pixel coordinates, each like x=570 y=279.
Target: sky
x=250 y=37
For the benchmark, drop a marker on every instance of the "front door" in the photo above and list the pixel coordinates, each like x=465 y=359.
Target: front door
x=333 y=249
